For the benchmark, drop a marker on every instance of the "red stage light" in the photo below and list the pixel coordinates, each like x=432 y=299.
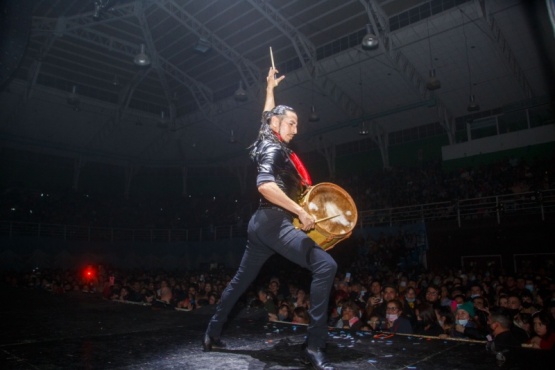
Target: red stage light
x=89 y=272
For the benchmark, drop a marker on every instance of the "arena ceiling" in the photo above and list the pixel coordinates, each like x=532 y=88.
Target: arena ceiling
x=77 y=91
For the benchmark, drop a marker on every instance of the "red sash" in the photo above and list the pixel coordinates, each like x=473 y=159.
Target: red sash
x=301 y=169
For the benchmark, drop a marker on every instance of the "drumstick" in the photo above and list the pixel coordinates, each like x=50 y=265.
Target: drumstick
x=327 y=218
x=272 y=57
x=323 y=219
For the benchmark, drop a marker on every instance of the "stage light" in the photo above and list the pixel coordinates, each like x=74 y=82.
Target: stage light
x=89 y=273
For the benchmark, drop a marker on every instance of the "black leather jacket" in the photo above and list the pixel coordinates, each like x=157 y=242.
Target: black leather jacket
x=273 y=165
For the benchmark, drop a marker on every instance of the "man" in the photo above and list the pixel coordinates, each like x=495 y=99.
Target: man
x=432 y=296
x=389 y=293
x=504 y=343
x=514 y=305
x=349 y=317
x=503 y=338
x=280 y=180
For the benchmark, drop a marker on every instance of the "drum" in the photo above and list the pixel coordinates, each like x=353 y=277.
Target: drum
x=337 y=210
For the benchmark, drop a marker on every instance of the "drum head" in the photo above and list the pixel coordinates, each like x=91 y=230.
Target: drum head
x=326 y=200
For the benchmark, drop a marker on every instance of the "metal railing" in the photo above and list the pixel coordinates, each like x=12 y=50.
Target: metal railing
x=500 y=206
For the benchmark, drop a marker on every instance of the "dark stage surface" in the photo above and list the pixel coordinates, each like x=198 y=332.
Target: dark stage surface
x=83 y=331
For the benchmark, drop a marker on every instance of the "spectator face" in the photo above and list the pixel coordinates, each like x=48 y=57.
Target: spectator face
x=374 y=322
x=475 y=291
x=389 y=294
x=344 y=287
x=444 y=291
x=410 y=295
x=274 y=286
x=503 y=302
x=462 y=315
x=432 y=295
x=479 y=303
x=514 y=303
x=292 y=290
x=375 y=288
x=262 y=296
x=520 y=283
x=392 y=311
x=283 y=312
x=347 y=313
x=539 y=327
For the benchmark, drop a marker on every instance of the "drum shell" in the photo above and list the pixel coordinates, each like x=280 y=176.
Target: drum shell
x=330 y=232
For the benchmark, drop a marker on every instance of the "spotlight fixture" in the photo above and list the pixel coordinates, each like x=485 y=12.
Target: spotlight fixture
x=142 y=59
x=202 y=46
x=313 y=115
x=433 y=82
x=370 y=41
x=99 y=7
x=73 y=99
x=163 y=122
x=240 y=94
x=363 y=129
x=473 y=106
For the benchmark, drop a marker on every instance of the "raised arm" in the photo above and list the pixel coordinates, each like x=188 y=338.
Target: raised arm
x=272 y=82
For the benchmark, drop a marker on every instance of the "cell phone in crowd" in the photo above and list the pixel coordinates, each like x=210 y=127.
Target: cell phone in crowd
x=348 y=277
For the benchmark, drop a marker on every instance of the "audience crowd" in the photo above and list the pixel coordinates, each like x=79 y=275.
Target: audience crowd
x=377 y=189
x=506 y=311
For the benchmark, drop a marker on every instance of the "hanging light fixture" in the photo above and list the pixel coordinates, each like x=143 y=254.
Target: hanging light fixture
x=232 y=138
x=142 y=59
x=363 y=129
x=313 y=115
x=370 y=40
x=433 y=82
x=163 y=123
x=74 y=99
x=202 y=46
x=473 y=105
x=240 y=94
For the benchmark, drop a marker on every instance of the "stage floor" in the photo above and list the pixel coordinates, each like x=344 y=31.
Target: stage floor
x=83 y=331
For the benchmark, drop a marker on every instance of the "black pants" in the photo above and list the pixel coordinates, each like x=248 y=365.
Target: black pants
x=271 y=231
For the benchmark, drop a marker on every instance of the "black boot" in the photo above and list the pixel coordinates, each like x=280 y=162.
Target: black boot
x=317 y=358
x=208 y=343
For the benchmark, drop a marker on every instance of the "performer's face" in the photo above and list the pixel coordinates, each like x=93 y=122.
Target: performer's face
x=285 y=125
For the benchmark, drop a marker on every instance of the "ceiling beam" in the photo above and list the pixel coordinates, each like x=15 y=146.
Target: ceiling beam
x=380 y=22
x=504 y=49
x=306 y=51
x=202 y=94
x=155 y=60
x=250 y=73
